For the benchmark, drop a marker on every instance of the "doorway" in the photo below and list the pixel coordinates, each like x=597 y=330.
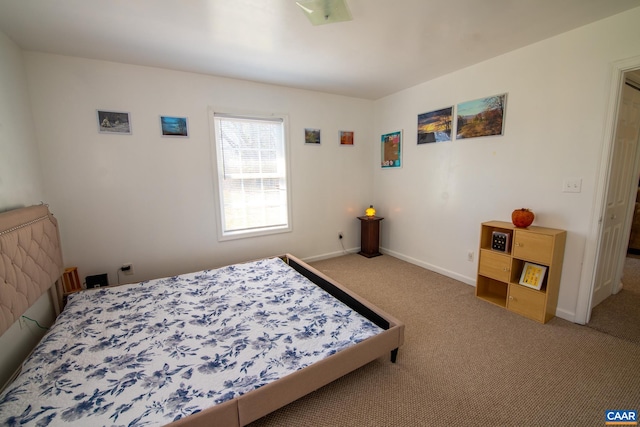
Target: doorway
x=632 y=79
x=621 y=213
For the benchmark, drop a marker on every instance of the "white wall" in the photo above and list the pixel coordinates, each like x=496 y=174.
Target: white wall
x=20 y=177
x=557 y=102
x=20 y=185
x=148 y=200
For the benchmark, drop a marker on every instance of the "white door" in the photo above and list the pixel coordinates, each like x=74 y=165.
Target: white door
x=621 y=191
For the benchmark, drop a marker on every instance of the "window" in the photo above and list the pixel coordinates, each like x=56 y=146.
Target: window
x=252 y=179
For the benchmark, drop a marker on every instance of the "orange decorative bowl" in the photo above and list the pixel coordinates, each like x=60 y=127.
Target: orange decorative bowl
x=522 y=218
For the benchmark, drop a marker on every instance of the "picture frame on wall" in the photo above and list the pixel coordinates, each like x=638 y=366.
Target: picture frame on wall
x=174 y=127
x=346 y=137
x=481 y=117
x=532 y=275
x=114 y=122
x=391 y=150
x=311 y=136
x=435 y=126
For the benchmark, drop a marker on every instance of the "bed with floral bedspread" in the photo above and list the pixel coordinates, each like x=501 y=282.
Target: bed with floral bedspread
x=158 y=351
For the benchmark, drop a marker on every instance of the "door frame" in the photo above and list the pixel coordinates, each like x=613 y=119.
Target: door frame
x=594 y=237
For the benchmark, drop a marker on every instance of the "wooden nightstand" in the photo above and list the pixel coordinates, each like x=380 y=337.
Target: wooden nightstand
x=370 y=236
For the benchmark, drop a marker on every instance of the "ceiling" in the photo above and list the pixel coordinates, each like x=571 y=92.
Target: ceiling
x=389 y=45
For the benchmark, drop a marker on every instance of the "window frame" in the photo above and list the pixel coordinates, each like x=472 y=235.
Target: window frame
x=218 y=171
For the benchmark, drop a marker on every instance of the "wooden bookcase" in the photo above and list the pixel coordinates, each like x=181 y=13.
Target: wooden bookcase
x=499 y=272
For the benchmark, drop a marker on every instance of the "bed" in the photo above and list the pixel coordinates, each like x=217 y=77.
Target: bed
x=224 y=346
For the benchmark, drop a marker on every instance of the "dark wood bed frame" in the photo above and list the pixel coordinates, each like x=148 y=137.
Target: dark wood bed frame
x=243 y=409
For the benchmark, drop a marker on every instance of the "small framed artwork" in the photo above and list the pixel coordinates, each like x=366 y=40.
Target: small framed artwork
x=435 y=126
x=533 y=275
x=500 y=241
x=346 y=137
x=391 y=150
x=174 y=126
x=114 y=122
x=481 y=117
x=311 y=136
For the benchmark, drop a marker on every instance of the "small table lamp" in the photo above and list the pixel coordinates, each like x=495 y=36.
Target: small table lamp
x=370 y=233
x=370 y=211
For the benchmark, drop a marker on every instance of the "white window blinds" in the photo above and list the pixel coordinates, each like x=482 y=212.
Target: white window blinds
x=252 y=174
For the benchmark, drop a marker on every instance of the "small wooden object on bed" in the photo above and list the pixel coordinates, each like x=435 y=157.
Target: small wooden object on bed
x=71 y=281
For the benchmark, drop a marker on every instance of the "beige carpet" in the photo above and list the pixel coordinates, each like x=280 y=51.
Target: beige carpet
x=466 y=362
x=619 y=315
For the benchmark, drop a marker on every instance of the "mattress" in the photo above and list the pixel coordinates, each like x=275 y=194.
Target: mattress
x=158 y=351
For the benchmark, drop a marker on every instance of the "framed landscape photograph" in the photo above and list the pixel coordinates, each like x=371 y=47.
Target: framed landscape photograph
x=391 y=150
x=481 y=117
x=532 y=275
x=114 y=122
x=312 y=136
x=435 y=126
x=346 y=137
x=174 y=126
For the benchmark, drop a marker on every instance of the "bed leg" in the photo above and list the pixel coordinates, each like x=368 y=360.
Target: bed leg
x=394 y=355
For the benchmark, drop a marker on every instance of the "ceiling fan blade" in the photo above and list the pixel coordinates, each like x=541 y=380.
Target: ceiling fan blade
x=320 y=12
x=306 y=9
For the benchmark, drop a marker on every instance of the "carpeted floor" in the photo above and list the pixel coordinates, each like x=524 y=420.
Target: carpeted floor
x=619 y=314
x=466 y=362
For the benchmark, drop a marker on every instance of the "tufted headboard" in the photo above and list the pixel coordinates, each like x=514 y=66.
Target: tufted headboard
x=30 y=260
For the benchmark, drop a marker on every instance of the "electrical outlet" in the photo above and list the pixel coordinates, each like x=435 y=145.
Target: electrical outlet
x=340 y=235
x=470 y=256
x=127 y=269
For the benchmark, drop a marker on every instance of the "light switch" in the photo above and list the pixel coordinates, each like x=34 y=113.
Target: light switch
x=572 y=185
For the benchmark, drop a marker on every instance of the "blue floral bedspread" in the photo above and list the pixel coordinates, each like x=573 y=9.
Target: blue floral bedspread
x=157 y=351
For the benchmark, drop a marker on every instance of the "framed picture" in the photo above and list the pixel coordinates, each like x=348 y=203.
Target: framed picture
x=346 y=137
x=435 y=126
x=174 y=126
x=500 y=241
x=114 y=122
x=481 y=117
x=391 y=150
x=533 y=275
x=311 y=136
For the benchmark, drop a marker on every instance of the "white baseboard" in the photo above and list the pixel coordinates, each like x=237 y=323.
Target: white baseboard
x=459 y=277
x=451 y=274
x=567 y=315
x=330 y=255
